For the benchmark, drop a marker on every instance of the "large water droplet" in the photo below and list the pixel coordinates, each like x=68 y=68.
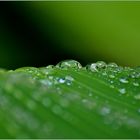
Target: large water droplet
x=95 y=67
x=69 y=64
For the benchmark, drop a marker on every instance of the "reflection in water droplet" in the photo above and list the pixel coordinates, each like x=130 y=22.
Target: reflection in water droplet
x=69 y=64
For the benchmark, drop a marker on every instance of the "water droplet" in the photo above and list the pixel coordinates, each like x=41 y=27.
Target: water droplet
x=105 y=111
x=137 y=96
x=101 y=64
x=112 y=65
x=57 y=110
x=136 y=84
x=90 y=94
x=92 y=67
x=123 y=80
x=46 y=102
x=64 y=102
x=122 y=90
x=111 y=76
x=112 y=86
x=69 y=80
x=69 y=64
x=61 y=80
x=50 y=67
x=31 y=104
x=139 y=110
x=95 y=67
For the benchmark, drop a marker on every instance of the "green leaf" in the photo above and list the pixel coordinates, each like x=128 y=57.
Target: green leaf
x=70 y=101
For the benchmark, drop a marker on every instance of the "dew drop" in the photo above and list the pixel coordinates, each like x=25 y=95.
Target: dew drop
x=137 y=96
x=90 y=94
x=69 y=64
x=112 y=65
x=50 y=67
x=61 y=80
x=111 y=76
x=139 y=110
x=122 y=90
x=46 y=102
x=112 y=86
x=105 y=111
x=136 y=84
x=101 y=64
x=69 y=80
x=57 y=110
x=95 y=67
x=123 y=80
x=92 y=67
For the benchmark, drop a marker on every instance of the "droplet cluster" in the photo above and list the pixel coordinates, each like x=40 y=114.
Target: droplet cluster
x=78 y=97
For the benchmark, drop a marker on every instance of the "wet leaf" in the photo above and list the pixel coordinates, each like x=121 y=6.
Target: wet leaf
x=70 y=101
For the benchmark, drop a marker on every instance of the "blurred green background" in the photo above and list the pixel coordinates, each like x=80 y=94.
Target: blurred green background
x=43 y=33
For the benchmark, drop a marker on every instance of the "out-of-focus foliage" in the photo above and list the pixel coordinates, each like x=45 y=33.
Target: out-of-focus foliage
x=39 y=33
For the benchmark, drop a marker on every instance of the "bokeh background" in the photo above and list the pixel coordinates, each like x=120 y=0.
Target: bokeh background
x=42 y=33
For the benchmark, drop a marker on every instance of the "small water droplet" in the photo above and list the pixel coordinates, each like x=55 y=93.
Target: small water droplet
x=61 y=80
x=69 y=64
x=122 y=90
x=105 y=111
x=57 y=110
x=112 y=65
x=50 y=67
x=90 y=94
x=46 y=102
x=139 y=110
x=111 y=76
x=112 y=86
x=137 y=96
x=123 y=80
x=69 y=80
x=136 y=84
